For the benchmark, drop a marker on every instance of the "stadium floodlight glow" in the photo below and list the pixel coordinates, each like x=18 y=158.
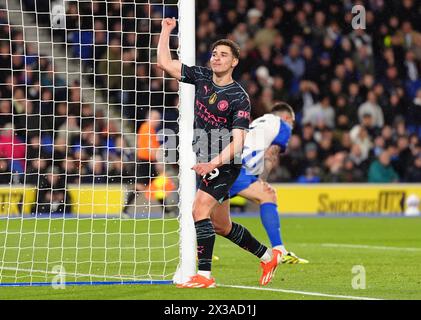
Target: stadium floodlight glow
x=86 y=76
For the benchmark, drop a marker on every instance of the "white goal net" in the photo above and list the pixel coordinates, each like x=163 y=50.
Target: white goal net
x=89 y=143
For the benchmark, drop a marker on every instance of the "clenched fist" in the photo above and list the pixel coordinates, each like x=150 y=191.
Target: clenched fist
x=168 y=24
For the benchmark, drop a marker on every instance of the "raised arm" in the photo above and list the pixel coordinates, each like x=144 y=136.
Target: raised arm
x=165 y=61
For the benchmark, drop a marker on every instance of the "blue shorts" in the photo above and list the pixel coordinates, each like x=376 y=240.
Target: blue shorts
x=243 y=181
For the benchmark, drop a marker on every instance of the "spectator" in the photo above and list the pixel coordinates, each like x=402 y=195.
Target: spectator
x=391 y=81
x=387 y=134
x=308 y=133
x=147 y=151
x=263 y=77
x=306 y=96
x=294 y=157
x=350 y=173
x=71 y=168
x=297 y=48
x=381 y=171
x=358 y=158
x=311 y=64
x=12 y=147
x=327 y=144
x=110 y=64
x=319 y=26
x=408 y=38
x=343 y=114
x=241 y=36
x=312 y=175
x=354 y=101
x=334 y=164
x=52 y=196
x=322 y=113
x=413 y=174
x=411 y=68
x=311 y=157
x=359 y=136
x=266 y=35
x=5 y=172
x=325 y=70
x=94 y=172
x=395 y=108
x=404 y=156
x=345 y=142
x=5 y=112
x=372 y=108
x=280 y=93
x=415 y=112
x=294 y=61
x=35 y=168
x=278 y=68
x=253 y=21
x=364 y=62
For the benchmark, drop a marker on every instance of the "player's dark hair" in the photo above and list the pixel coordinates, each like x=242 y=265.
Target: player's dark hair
x=283 y=107
x=235 y=48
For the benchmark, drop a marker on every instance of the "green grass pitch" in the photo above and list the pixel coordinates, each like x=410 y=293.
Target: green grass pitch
x=389 y=250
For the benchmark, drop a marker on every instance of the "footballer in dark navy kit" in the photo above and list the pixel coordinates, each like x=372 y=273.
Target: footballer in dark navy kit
x=218 y=110
x=222 y=117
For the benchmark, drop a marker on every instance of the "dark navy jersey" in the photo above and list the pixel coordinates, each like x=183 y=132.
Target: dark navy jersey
x=217 y=110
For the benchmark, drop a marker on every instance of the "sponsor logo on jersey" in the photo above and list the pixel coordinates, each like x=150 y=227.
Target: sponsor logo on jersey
x=206 y=89
x=208 y=116
x=213 y=98
x=223 y=105
x=243 y=114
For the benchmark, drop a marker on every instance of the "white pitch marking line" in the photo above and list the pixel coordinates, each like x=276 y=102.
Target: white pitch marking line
x=221 y=285
x=318 y=294
x=360 y=246
x=68 y=274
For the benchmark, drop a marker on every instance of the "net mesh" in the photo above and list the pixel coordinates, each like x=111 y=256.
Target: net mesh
x=88 y=142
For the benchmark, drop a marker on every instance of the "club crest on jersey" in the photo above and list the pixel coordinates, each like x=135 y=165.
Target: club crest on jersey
x=223 y=105
x=213 y=98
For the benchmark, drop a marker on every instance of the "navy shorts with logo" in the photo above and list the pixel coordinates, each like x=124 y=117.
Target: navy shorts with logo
x=218 y=182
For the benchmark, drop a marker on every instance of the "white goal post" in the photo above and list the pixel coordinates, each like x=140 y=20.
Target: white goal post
x=187 y=266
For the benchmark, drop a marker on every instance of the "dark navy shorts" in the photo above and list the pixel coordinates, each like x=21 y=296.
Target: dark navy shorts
x=219 y=182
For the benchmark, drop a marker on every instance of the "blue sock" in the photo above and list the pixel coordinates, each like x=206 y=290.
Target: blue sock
x=270 y=220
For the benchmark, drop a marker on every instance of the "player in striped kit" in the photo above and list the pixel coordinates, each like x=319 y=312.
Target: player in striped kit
x=267 y=138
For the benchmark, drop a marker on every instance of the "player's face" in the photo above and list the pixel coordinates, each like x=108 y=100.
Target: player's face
x=222 y=59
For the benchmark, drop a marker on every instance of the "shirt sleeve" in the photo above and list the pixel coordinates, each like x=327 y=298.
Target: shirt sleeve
x=193 y=74
x=241 y=113
x=283 y=136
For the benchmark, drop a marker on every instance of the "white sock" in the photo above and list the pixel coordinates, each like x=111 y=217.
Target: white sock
x=206 y=274
x=281 y=248
x=267 y=256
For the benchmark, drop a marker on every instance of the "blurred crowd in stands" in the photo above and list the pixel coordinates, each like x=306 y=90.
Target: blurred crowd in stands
x=50 y=137
x=356 y=92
